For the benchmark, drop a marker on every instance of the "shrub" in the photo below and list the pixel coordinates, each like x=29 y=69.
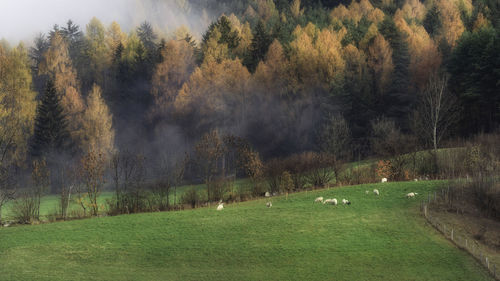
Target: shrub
x=363 y=174
x=286 y=184
x=191 y=197
x=384 y=169
x=319 y=168
x=296 y=166
x=25 y=207
x=273 y=171
x=218 y=188
x=258 y=189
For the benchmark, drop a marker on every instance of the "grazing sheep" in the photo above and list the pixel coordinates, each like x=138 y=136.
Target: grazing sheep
x=269 y=204
x=375 y=191
x=268 y=194
x=411 y=195
x=318 y=199
x=220 y=207
x=384 y=180
x=331 y=201
x=415 y=180
x=346 y=202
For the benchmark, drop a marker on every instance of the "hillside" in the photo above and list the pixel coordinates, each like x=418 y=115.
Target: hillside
x=376 y=238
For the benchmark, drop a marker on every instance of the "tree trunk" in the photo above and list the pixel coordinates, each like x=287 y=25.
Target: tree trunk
x=434 y=137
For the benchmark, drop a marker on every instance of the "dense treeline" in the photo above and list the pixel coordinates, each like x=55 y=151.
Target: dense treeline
x=288 y=76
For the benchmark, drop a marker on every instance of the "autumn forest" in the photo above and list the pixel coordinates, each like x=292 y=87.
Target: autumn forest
x=265 y=79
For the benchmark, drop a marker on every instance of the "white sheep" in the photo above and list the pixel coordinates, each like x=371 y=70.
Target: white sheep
x=220 y=207
x=330 y=201
x=346 y=202
x=268 y=194
x=411 y=195
x=318 y=199
x=375 y=191
x=269 y=204
x=384 y=180
x=367 y=192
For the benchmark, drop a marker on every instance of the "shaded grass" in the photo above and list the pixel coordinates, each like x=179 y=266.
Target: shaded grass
x=376 y=238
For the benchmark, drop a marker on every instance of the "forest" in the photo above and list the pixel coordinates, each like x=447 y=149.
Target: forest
x=265 y=80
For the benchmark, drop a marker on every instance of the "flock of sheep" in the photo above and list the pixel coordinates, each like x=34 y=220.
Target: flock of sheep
x=331 y=201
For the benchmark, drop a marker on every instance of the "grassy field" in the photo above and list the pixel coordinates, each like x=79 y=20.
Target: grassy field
x=376 y=238
x=49 y=204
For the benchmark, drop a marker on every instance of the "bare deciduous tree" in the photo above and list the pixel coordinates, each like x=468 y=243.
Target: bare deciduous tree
x=335 y=140
x=7 y=190
x=129 y=174
x=209 y=151
x=40 y=176
x=437 y=111
x=92 y=173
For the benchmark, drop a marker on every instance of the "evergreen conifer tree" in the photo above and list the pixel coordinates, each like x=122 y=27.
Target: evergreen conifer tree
x=259 y=46
x=400 y=98
x=51 y=134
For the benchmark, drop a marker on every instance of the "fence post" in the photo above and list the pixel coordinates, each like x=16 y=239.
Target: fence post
x=466 y=243
x=487 y=263
x=444 y=230
x=452 y=234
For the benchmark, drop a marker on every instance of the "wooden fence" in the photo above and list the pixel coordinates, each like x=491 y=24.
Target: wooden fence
x=462 y=241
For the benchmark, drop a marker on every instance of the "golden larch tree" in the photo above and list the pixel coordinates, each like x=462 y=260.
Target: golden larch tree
x=98 y=124
x=380 y=62
x=17 y=105
x=178 y=64
x=272 y=75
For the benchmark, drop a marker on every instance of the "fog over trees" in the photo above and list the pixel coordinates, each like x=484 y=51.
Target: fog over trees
x=156 y=78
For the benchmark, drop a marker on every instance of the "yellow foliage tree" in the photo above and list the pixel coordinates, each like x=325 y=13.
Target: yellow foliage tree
x=380 y=62
x=215 y=91
x=99 y=56
x=272 y=76
x=424 y=55
x=315 y=56
x=98 y=124
x=295 y=9
x=57 y=65
x=213 y=50
x=452 y=25
x=17 y=105
x=414 y=9
x=114 y=36
x=480 y=22
x=178 y=63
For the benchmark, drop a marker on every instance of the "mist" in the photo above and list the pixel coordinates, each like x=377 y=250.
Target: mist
x=22 y=20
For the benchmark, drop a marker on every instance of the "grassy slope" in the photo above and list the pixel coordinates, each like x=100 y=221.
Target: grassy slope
x=376 y=238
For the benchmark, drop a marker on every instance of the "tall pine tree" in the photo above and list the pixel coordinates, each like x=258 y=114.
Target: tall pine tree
x=51 y=134
x=259 y=46
x=400 y=98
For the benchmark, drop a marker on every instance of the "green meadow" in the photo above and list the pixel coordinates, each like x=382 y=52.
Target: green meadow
x=376 y=238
